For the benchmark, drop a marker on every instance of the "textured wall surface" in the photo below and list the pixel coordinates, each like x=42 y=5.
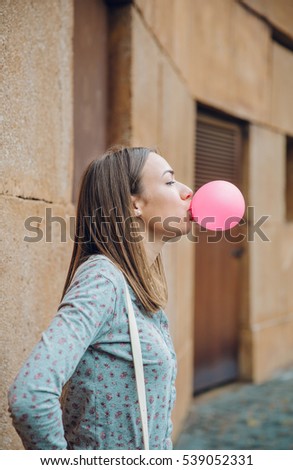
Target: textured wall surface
x=37 y=105
x=282 y=90
x=32 y=278
x=220 y=49
x=226 y=55
x=37 y=176
x=271 y=262
x=279 y=14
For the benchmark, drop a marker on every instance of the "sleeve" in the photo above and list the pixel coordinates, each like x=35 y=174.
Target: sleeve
x=84 y=314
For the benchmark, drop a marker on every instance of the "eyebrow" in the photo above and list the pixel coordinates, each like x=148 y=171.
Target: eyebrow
x=168 y=171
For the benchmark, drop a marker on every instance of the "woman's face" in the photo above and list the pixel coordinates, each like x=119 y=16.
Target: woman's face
x=164 y=202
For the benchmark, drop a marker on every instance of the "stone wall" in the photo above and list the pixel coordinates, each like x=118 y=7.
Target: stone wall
x=279 y=14
x=271 y=262
x=225 y=54
x=36 y=169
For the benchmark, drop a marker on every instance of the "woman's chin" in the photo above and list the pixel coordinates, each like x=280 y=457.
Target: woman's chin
x=187 y=227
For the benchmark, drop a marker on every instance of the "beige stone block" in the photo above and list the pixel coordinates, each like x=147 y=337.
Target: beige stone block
x=160 y=16
x=184 y=383
x=267 y=173
x=172 y=23
x=245 y=354
x=281 y=115
x=183 y=31
x=266 y=278
x=178 y=261
x=183 y=16
x=164 y=23
x=145 y=77
x=163 y=112
x=251 y=48
x=258 y=6
x=185 y=292
x=287 y=264
x=146 y=8
x=221 y=50
x=279 y=14
x=179 y=268
x=176 y=124
x=32 y=279
x=37 y=99
x=170 y=263
x=272 y=348
x=210 y=52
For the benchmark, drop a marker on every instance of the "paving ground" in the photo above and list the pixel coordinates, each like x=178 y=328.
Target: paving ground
x=242 y=416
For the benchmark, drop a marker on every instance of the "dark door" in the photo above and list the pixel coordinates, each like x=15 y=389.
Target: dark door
x=218 y=266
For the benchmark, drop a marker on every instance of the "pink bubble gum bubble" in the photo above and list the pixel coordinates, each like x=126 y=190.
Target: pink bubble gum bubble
x=217 y=205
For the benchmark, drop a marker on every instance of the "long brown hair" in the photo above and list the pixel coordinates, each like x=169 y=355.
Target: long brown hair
x=104 y=205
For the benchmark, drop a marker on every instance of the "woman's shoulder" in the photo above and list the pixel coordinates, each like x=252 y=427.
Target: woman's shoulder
x=100 y=265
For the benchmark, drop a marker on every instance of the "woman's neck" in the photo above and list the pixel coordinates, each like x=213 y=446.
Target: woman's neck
x=153 y=249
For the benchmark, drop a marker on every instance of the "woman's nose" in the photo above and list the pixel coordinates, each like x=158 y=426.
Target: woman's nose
x=186 y=193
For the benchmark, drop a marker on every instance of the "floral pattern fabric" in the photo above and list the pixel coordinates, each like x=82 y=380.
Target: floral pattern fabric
x=87 y=347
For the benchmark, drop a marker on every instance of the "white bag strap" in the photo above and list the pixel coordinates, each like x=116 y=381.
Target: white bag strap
x=138 y=366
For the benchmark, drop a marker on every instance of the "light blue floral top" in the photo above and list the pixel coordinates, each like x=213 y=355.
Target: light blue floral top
x=88 y=344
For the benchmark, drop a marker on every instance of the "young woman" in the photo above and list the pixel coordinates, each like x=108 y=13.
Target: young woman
x=129 y=206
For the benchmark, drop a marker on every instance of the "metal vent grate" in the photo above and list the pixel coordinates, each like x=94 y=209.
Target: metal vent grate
x=218 y=146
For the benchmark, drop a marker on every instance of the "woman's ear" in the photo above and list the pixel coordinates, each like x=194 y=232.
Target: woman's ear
x=136 y=206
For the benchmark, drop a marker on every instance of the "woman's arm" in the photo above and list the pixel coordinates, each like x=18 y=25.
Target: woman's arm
x=84 y=314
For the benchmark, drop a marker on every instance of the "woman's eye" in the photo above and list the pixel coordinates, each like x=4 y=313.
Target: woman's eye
x=171 y=182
